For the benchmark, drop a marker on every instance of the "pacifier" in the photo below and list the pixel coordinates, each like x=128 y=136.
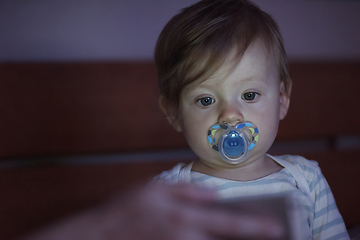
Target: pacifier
x=233 y=142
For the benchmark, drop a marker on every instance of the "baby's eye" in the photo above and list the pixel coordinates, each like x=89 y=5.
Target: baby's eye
x=249 y=96
x=206 y=101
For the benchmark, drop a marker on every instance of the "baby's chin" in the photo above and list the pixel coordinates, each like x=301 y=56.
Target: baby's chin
x=215 y=161
x=221 y=164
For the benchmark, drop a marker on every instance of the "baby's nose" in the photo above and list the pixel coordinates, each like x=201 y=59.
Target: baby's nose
x=231 y=115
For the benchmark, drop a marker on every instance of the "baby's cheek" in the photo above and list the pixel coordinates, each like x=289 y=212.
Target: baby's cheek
x=193 y=136
x=267 y=121
x=267 y=136
x=198 y=143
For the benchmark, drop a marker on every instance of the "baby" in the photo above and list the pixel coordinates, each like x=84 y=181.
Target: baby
x=224 y=83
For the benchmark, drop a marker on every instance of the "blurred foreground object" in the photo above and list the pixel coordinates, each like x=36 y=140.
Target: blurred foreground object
x=164 y=212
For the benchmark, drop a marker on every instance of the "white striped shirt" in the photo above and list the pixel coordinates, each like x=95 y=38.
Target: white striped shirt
x=323 y=217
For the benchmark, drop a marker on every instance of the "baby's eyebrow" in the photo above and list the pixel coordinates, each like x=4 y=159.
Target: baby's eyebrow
x=206 y=86
x=247 y=79
x=201 y=88
x=197 y=90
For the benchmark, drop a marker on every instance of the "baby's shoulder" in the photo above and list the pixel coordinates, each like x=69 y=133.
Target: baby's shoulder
x=309 y=168
x=170 y=176
x=298 y=160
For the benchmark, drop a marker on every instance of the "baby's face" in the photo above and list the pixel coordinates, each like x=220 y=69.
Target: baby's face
x=252 y=92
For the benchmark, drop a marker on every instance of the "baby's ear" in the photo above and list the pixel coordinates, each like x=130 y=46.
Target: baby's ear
x=169 y=113
x=284 y=99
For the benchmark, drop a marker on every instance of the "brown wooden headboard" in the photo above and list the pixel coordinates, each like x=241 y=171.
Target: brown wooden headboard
x=78 y=108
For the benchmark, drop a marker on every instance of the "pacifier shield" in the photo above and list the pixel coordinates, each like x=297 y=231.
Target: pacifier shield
x=233 y=143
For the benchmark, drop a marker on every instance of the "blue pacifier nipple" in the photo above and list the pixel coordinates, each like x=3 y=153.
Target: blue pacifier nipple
x=233 y=143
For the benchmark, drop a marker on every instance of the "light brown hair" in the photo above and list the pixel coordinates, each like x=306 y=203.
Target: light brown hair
x=195 y=43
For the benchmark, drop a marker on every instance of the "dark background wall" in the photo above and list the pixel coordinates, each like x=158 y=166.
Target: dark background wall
x=69 y=30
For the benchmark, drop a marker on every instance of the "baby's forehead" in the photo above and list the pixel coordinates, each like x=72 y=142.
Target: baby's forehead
x=256 y=60
x=216 y=79
x=234 y=80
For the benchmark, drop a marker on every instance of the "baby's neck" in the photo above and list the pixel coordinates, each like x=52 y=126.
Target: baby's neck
x=255 y=170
